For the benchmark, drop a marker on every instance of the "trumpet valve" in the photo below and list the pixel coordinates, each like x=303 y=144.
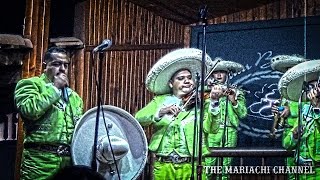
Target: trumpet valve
x=281 y=123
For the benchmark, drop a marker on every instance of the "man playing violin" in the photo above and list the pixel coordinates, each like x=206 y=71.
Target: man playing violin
x=171 y=79
x=228 y=105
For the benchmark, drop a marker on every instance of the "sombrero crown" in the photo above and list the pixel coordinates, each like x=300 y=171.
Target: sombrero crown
x=290 y=84
x=127 y=140
x=283 y=62
x=158 y=77
x=223 y=65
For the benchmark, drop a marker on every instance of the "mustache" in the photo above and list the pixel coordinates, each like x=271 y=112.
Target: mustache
x=186 y=86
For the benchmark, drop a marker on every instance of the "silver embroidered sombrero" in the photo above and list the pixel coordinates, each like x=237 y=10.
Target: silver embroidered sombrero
x=157 y=80
x=283 y=62
x=223 y=65
x=290 y=84
x=127 y=140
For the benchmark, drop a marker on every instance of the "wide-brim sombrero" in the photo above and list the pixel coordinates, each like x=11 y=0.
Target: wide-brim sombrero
x=290 y=84
x=120 y=124
x=283 y=62
x=157 y=80
x=224 y=65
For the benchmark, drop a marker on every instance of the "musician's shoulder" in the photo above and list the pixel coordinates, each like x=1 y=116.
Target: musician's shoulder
x=161 y=96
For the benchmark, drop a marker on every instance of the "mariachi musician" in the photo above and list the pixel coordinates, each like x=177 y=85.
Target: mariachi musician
x=171 y=79
x=301 y=82
x=285 y=112
x=228 y=106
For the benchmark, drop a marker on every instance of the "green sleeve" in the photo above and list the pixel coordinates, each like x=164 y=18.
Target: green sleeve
x=210 y=124
x=33 y=98
x=316 y=118
x=293 y=106
x=146 y=115
x=288 y=142
x=77 y=105
x=240 y=109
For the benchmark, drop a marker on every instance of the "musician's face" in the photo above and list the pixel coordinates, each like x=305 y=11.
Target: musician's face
x=58 y=65
x=181 y=83
x=220 y=76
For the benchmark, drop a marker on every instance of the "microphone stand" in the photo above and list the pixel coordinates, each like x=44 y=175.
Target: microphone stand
x=225 y=117
x=304 y=90
x=203 y=14
x=96 y=130
x=224 y=138
x=195 y=127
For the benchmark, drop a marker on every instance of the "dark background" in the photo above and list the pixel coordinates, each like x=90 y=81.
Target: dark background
x=253 y=44
x=12 y=13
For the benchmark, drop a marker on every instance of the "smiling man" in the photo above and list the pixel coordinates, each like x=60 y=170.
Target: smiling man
x=49 y=110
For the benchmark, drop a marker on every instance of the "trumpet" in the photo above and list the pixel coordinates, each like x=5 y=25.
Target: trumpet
x=278 y=121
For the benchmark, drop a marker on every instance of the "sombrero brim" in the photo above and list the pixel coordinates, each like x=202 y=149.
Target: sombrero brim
x=282 y=63
x=290 y=84
x=123 y=125
x=228 y=66
x=158 y=77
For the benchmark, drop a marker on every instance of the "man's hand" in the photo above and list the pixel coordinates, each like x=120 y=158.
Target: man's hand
x=216 y=92
x=286 y=112
x=61 y=81
x=231 y=94
x=170 y=110
x=295 y=132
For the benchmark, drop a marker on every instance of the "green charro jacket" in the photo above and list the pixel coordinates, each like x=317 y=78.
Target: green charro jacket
x=47 y=119
x=148 y=116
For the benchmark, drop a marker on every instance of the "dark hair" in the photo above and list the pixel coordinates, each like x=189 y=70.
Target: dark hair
x=48 y=55
x=78 y=172
x=174 y=74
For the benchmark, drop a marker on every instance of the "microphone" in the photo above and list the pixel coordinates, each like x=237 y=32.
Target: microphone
x=65 y=94
x=103 y=46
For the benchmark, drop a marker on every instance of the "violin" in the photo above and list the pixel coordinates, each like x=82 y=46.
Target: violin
x=226 y=90
x=189 y=100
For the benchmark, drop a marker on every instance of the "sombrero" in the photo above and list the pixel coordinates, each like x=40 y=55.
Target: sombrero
x=157 y=80
x=290 y=84
x=283 y=62
x=127 y=138
x=223 y=65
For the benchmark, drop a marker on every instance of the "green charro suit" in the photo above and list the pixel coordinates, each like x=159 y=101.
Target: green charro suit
x=173 y=134
x=309 y=143
x=234 y=114
x=47 y=120
x=290 y=121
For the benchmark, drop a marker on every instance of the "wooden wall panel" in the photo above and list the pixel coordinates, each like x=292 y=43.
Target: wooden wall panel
x=37 y=30
x=281 y=9
x=139 y=39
